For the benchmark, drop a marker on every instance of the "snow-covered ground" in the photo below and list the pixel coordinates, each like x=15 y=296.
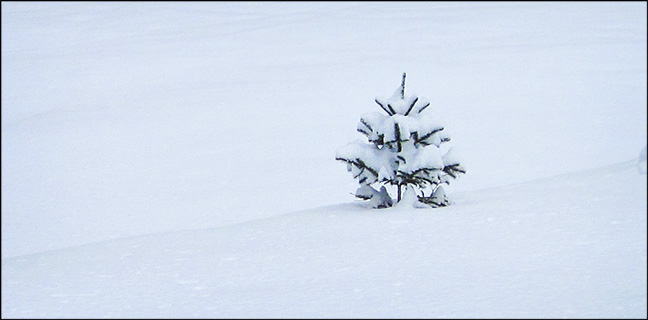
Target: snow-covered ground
x=572 y=246
x=177 y=159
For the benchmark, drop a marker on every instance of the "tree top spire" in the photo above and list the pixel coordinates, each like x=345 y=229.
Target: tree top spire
x=403 y=87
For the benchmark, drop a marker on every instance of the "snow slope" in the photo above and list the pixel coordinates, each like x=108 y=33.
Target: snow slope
x=121 y=119
x=570 y=246
x=172 y=139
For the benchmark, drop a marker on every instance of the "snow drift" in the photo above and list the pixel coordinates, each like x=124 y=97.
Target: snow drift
x=570 y=246
x=151 y=151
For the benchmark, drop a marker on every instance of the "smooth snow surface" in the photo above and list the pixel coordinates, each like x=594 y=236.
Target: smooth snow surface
x=163 y=159
x=572 y=246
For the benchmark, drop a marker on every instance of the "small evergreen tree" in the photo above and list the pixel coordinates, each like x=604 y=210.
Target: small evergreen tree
x=403 y=150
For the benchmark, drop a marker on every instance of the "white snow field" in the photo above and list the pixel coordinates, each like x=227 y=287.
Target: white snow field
x=176 y=159
x=576 y=251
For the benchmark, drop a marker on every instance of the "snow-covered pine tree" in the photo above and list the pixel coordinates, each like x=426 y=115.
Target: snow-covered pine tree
x=403 y=150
